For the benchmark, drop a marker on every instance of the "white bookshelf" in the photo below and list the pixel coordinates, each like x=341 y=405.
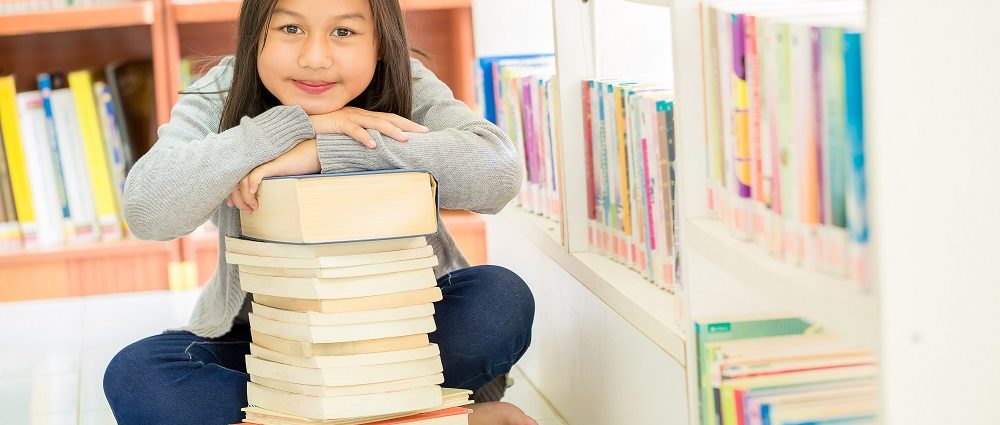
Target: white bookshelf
x=647 y=308
x=841 y=306
x=931 y=142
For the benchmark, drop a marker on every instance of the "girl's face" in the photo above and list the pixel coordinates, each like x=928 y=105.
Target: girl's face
x=318 y=54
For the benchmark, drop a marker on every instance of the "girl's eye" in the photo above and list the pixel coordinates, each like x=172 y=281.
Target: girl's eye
x=291 y=29
x=342 y=32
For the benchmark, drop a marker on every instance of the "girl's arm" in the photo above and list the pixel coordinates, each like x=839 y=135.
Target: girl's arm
x=191 y=169
x=475 y=164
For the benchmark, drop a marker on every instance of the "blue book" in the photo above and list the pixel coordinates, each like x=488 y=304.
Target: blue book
x=857 y=217
x=45 y=88
x=486 y=84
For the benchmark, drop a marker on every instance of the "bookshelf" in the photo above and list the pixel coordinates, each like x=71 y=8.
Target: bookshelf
x=932 y=233
x=166 y=31
x=139 y=13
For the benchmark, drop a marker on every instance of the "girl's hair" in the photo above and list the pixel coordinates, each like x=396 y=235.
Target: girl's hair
x=391 y=89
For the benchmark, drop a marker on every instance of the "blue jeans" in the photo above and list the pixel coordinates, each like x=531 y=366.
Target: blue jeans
x=483 y=328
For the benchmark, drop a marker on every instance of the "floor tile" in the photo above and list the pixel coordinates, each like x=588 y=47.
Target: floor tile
x=526 y=397
x=97 y=417
x=42 y=395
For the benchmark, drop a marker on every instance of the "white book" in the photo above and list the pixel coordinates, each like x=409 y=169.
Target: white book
x=451 y=397
x=41 y=175
x=335 y=272
x=328 y=391
x=312 y=318
x=339 y=262
x=74 y=165
x=273 y=249
x=346 y=305
x=344 y=406
x=342 y=333
x=351 y=360
x=338 y=288
x=344 y=376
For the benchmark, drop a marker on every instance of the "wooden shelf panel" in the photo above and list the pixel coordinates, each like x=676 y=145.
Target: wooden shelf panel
x=89 y=269
x=228 y=10
x=837 y=304
x=125 y=247
x=650 y=309
x=78 y=18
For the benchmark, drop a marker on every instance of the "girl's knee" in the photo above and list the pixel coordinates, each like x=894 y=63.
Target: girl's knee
x=508 y=286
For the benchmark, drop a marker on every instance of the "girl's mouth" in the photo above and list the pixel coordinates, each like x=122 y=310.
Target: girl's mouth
x=313 y=87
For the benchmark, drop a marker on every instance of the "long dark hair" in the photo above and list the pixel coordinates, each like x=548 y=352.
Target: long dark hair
x=391 y=89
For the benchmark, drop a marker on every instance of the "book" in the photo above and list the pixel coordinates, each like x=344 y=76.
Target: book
x=375 y=258
x=312 y=318
x=347 y=361
x=341 y=207
x=39 y=166
x=16 y=165
x=266 y=249
x=345 y=305
x=343 y=333
x=332 y=391
x=346 y=406
x=337 y=288
x=343 y=376
x=451 y=398
x=105 y=201
x=309 y=349
x=340 y=272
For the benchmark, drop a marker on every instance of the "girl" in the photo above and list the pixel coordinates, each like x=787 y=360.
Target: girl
x=315 y=86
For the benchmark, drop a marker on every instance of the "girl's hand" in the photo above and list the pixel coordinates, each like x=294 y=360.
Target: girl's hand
x=302 y=159
x=355 y=121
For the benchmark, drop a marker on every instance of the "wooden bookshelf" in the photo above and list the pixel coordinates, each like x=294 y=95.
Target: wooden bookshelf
x=86 y=269
x=78 y=18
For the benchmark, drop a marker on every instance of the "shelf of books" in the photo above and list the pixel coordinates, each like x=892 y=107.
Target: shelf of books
x=72 y=122
x=19 y=18
x=759 y=179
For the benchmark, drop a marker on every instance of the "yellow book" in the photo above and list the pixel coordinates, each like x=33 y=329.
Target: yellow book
x=81 y=84
x=15 y=161
x=626 y=212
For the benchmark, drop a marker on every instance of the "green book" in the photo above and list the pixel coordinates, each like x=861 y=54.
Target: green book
x=727 y=329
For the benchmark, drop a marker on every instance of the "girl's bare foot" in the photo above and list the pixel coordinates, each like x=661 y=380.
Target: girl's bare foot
x=498 y=413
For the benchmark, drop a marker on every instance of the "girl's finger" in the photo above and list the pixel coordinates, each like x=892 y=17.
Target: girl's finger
x=383 y=126
x=361 y=135
x=248 y=198
x=237 y=199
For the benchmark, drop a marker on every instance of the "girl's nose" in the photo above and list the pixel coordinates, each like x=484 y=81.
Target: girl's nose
x=315 y=54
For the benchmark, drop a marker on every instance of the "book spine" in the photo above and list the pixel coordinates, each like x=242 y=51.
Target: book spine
x=588 y=165
x=856 y=206
x=107 y=215
x=45 y=88
x=16 y=165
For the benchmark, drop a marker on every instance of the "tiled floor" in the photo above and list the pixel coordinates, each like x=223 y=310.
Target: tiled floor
x=53 y=354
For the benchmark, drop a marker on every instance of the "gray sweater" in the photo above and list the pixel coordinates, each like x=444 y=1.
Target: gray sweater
x=186 y=177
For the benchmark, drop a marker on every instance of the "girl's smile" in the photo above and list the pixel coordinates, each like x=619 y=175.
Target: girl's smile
x=313 y=87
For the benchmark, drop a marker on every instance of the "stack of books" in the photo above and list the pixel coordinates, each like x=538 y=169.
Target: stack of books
x=776 y=369
x=343 y=288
